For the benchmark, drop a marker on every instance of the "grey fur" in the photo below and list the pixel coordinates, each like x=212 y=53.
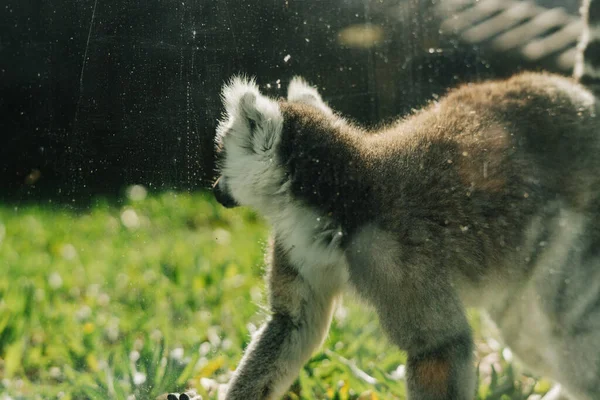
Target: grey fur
x=300 y=320
x=488 y=198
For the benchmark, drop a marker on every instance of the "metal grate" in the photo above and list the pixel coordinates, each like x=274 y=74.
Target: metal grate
x=539 y=35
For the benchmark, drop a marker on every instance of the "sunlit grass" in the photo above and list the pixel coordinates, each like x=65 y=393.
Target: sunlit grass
x=159 y=294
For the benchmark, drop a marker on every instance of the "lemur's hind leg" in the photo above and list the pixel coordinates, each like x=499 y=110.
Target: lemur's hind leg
x=420 y=312
x=300 y=320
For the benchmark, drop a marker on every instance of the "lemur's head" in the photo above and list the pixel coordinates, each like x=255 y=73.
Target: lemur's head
x=247 y=139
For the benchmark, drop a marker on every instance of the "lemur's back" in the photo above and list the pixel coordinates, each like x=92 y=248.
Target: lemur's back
x=537 y=130
x=468 y=176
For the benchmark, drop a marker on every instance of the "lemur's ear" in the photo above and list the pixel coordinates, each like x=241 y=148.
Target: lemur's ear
x=300 y=91
x=247 y=106
x=239 y=97
x=249 y=116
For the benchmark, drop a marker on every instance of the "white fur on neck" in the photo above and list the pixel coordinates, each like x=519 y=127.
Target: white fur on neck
x=256 y=179
x=313 y=242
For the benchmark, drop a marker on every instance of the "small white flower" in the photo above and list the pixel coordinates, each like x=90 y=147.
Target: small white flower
x=84 y=312
x=112 y=332
x=139 y=378
x=213 y=336
x=507 y=354
x=130 y=219
x=134 y=356
x=54 y=372
x=137 y=192
x=222 y=236
x=494 y=344
x=209 y=384
x=227 y=344
x=204 y=348
x=68 y=251
x=103 y=299
x=177 y=353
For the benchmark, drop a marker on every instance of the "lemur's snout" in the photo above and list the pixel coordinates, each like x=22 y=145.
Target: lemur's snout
x=221 y=192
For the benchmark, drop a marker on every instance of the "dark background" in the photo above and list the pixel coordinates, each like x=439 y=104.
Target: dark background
x=98 y=94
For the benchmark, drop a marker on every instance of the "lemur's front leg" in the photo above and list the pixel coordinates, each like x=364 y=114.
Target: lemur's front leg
x=299 y=322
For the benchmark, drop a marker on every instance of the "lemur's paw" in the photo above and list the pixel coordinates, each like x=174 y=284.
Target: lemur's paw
x=189 y=395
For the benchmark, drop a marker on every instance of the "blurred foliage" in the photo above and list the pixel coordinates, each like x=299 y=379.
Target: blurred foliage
x=158 y=294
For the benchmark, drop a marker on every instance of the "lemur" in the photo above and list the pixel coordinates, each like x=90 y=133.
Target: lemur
x=488 y=197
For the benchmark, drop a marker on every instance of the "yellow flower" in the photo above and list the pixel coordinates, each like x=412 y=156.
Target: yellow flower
x=88 y=328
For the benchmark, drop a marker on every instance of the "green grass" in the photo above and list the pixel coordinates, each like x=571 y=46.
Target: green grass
x=159 y=294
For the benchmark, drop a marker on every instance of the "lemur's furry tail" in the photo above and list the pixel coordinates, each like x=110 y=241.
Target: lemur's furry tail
x=587 y=64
